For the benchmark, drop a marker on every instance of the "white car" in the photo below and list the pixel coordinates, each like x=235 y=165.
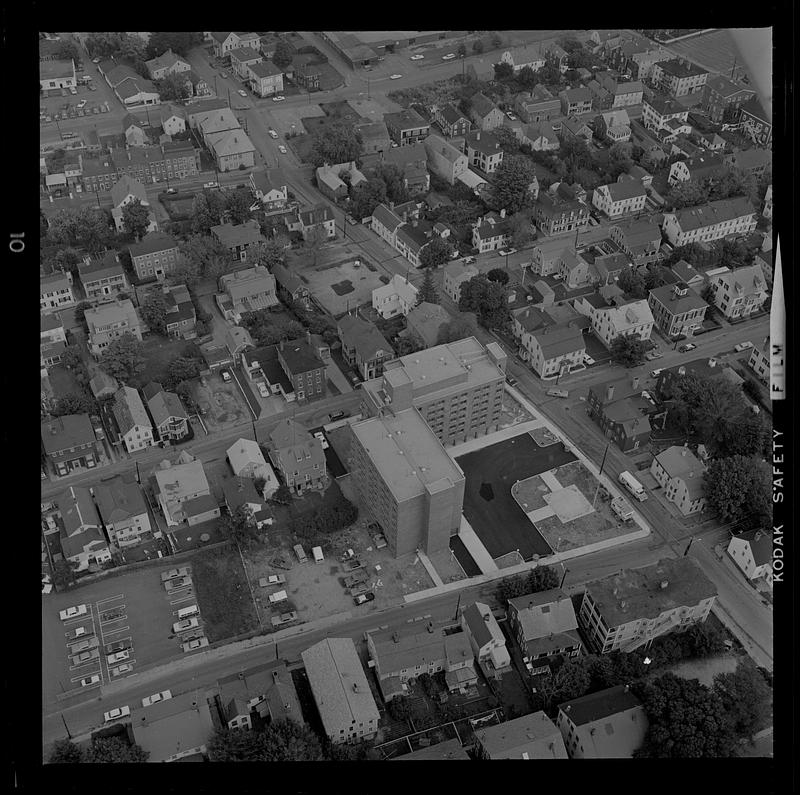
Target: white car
x=187 y=623
x=156 y=697
x=118 y=657
x=743 y=346
x=282 y=149
x=561 y=393
x=449 y=56
x=321 y=436
x=126 y=668
x=95 y=60
x=272 y=579
x=417 y=57
x=395 y=77
x=279 y=98
x=72 y=612
x=82 y=104
x=242 y=93
x=211 y=184
x=272 y=133
x=587 y=359
x=197 y=643
x=116 y=714
x=656 y=373
x=504 y=252
x=90 y=680
x=262 y=389
x=511 y=115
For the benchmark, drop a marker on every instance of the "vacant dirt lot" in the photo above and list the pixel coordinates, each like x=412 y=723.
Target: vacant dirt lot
x=221 y=404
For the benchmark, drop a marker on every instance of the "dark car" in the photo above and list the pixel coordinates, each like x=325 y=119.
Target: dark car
x=118 y=645
x=687 y=348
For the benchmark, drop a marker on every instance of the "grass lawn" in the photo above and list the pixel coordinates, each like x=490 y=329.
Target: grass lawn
x=223 y=597
x=158 y=353
x=301 y=145
x=63 y=381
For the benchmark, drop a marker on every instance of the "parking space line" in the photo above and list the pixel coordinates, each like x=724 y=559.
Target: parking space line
x=114 y=631
x=110 y=599
x=83 y=665
x=189 y=598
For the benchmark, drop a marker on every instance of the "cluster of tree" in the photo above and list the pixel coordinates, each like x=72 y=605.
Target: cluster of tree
x=125 y=47
x=269 y=253
x=64 y=573
x=437 y=252
x=542 y=578
x=182 y=370
x=72 y=359
x=284 y=53
x=88 y=227
x=728 y=185
x=459 y=216
x=457 y=329
x=173 y=87
x=73 y=403
x=637 y=282
x=327 y=519
x=267 y=327
x=579 y=56
x=241 y=527
x=427 y=290
x=511 y=188
x=385 y=183
x=715 y=410
x=335 y=143
x=314 y=322
x=101 y=750
x=739 y=486
x=203 y=257
x=628 y=350
x=487 y=299
x=135 y=219
x=123 y=358
x=282 y=495
x=153 y=310
x=67 y=50
x=179 y=43
x=732 y=253
x=526 y=78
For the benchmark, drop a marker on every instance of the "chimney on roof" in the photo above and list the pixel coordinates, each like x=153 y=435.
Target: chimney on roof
x=712 y=362
x=627 y=688
x=609 y=393
x=487 y=617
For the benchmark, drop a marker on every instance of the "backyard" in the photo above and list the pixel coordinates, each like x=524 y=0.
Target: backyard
x=158 y=354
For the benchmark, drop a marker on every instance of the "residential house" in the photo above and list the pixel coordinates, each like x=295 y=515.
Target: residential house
x=223 y=43
x=483 y=151
x=710 y=221
x=80 y=530
x=165 y=64
x=406 y=127
x=170 y=418
x=625 y=94
x=55 y=291
x=533 y=56
x=156 y=255
x=711 y=141
x=633 y=318
x=317 y=220
x=196 y=85
x=149 y=164
x=452 y=122
x=545 y=628
x=455 y=274
x=108 y=322
x=238 y=238
x=532 y=736
x=173 y=120
x=308 y=75
x=341 y=690
x=444 y=159
x=363 y=346
x=269 y=187
x=554 y=349
x=487 y=640
x=52 y=340
x=558 y=58
x=135 y=131
x=628 y=609
x=620 y=198
x=55 y=74
x=722 y=98
x=658 y=109
x=123 y=510
x=678 y=77
x=640 y=240
x=558 y=211
x=767 y=210
x=135 y=428
x=69 y=443
x=412 y=160
x=374 y=137
x=305 y=369
x=330 y=183
x=669 y=377
x=241 y=494
x=289 y=283
x=242 y=58
x=756 y=122
x=751 y=551
x=265 y=78
x=602 y=97
x=104 y=278
x=246 y=290
x=541 y=137
x=608 y=724
x=677 y=310
x=398 y=297
x=538 y=105
x=614 y=126
x=575 y=127
x=738 y=293
x=298 y=456
x=492 y=232
x=266 y=691
x=103 y=385
x=385 y=223
x=696 y=169
x=183 y=492
x=485 y=113
x=759 y=361
x=405 y=652
x=689 y=275
x=231 y=149
x=181 y=318
x=247 y=461
x=618 y=408
x=680 y=473
x=575 y=101
x=751 y=161
x=607 y=267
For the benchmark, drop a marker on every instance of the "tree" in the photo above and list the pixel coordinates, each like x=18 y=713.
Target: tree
x=497 y=275
x=477 y=46
x=179 y=43
x=103 y=45
x=737 y=486
x=282 y=495
x=235 y=745
x=631 y=282
x=511 y=188
x=503 y=71
x=65 y=752
x=284 y=52
x=269 y=254
x=63 y=260
x=72 y=403
x=521 y=229
x=72 y=357
x=745 y=696
x=123 y=358
x=207 y=210
x=628 y=350
x=392 y=177
x=543 y=578
x=366 y=196
x=456 y=329
x=427 y=290
x=335 y=143
x=435 y=253
x=173 y=87
x=526 y=77
x=241 y=527
x=114 y=749
x=135 y=219
x=572 y=680
x=508 y=141
x=686 y=194
x=182 y=369
x=495 y=39
x=686 y=720
x=315 y=239
x=237 y=205
x=205 y=255
x=462 y=50
x=66 y=50
x=153 y=311
x=750 y=435
x=63 y=574
x=87 y=227
x=487 y=299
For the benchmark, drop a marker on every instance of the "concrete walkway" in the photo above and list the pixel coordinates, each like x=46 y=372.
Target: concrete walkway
x=498 y=436
x=426 y=562
x=476 y=548
x=550 y=481
x=540 y=513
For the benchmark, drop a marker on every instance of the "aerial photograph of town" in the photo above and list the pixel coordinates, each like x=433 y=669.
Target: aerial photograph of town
x=405 y=395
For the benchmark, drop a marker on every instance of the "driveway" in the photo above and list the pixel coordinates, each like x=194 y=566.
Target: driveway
x=219 y=326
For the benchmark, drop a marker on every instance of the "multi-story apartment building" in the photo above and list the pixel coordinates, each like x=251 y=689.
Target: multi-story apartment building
x=492 y=232
x=678 y=77
x=740 y=292
x=628 y=609
x=103 y=279
x=451 y=121
x=406 y=127
x=634 y=318
x=658 y=109
x=553 y=349
x=620 y=411
x=149 y=164
x=457 y=387
x=156 y=255
x=620 y=198
x=680 y=473
x=721 y=96
x=298 y=456
x=538 y=105
x=55 y=292
x=560 y=212
x=363 y=346
x=677 y=309
x=135 y=428
x=710 y=221
x=98 y=174
x=444 y=159
x=123 y=510
x=304 y=368
x=576 y=101
x=455 y=274
x=483 y=151
x=756 y=122
x=414 y=490
x=109 y=322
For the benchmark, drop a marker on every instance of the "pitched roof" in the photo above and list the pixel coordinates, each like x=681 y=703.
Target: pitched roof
x=128 y=185
x=532 y=736
x=483 y=141
x=545 y=615
x=482 y=624
x=153 y=242
x=451 y=114
x=628 y=189
x=557 y=340
x=165 y=406
x=197 y=506
x=482 y=105
x=244 y=452
x=405 y=119
x=119 y=499
x=271 y=680
x=299 y=356
x=230 y=142
x=712 y=213
x=129 y=410
x=677 y=304
x=437 y=144
x=760 y=544
x=681 y=67
x=265 y=69
x=387 y=217
x=166 y=60
x=743 y=281
x=231 y=235
x=755 y=108
x=363 y=336
x=527 y=54
x=581 y=94
x=240 y=491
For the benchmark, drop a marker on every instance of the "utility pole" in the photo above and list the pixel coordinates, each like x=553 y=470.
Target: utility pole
x=458 y=604
x=69 y=734
x=602 y=464
x=255 y=435
x=138 y=476
x=688 y=546
x=563 y=578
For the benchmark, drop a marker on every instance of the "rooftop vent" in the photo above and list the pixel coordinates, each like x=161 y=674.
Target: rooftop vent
x=664 y=584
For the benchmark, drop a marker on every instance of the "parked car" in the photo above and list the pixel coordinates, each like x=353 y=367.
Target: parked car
x=506 y=252
x=83 y=645
x=86 y=656
x=195 y=643
x=278 y=98
x=119 y=656
x=95 y=60
x=187 y=623
x=72 y=612
x=655 y=373
x=118 y=645
x=73 y=90
x=272 y=579
x=321 y=436
x=211 y=184
x=688 y=347
x=82 y=104
x=395 y=77
x=224 y=73
x=588 y=359
x=263 y=389
x=469 y=260
x=561 y=393
x=743 y=346
x=226 y=375
x=112 y=615
x=511 y=115
x=338 y=415
x=449 y=56
x=180 y=582
x=79 y=632
x=380 y=541
x=171 y=190
x=272 y=133
x=90 y=680
x=183 y=571
x=351 y=220
x=278 y=596
x=352 y=565
x=417 y=57
x=121 y=669
x=364 y=597
x=510 y=380
x=116 y=714
x=282 y=149
x=650 y=355
x=284 y=618
x=242 y=93
x=165 y=695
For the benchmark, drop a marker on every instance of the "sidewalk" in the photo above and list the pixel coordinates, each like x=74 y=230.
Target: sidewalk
x=425 y=560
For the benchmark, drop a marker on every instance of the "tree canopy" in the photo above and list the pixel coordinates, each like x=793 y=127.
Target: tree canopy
x=427 y=291
x=114 y=749
x=87 y=227
x=135 y=219
x=738 y=486
x=73 y=403
x=123 y=358
x=456 y=329
x=173 y=87
x=240 y=526
x=179 y=43
x=284 y=52
x=206 y=256
x=511 y=187
x=366 y=196
x=435 y=253
x=237 y=205
x=487 y=299
x=208 y=209
x=542 y=578
x=745 y=696
x=628 y=350
x=335 y=143
x=281 y=741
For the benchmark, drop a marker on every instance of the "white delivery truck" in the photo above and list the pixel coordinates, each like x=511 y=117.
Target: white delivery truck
x=633 y=486
x=317 y=553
